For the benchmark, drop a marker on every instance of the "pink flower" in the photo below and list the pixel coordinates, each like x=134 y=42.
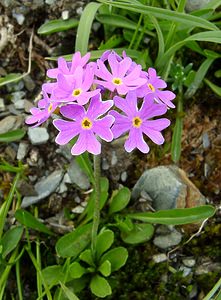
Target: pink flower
x=43 y=112
x=76 y=87
x=68 y=68
x=137 y=122
x=85 y=124
x=122 y=77
x=152 y=89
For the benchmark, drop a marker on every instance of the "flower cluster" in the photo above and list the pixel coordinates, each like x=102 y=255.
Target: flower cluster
x=104 y=100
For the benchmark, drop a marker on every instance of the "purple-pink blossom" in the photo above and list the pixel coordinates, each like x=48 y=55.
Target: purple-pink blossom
x=152 y=89
x=86 y=125
x=138 y=122
x=68 y=68
x=76 y=87
x=123 y=75
x=41 y=113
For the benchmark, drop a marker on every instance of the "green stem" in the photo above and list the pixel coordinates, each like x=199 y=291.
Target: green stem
x=18 y=279
x=7 y=203
x=96 y=215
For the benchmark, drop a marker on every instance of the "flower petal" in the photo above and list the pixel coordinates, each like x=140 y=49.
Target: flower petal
x=98 y=107
x=150 y=109
x=124 y=66
x=152 y=129
x=166 y=97
x=135 y=140
x=86 y=141
x=121 y=124
x=114 y=64
x=72 y=111
x=127 y=105
x=68 y=130
x=102 y=128
x=102 y=71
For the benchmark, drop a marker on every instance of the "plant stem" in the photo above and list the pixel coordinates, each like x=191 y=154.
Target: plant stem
x=18 y=279
x=96 y=214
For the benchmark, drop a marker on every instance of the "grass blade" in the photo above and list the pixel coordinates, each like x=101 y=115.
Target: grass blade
x=84 y=27
x=57 y=26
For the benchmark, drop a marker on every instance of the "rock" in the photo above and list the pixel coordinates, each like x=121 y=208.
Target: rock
x=206 y=140
x=77 y=176
x=206 y=266
x=189 y=262
x=168 y=187
x=10 y=152
x=114 y=158
x=2 y=105
x=20 y=104
x=10 y=123
x=186 y=271
x=65 y=14
x=123 y=176
x=16 y=96
x=63 y=187
x=78 y=209
x=44 y=188
x=19 y=17
x=195 y=4
x=167 y=237
x=29 y=83
x=158 y=258
x=22 y=150
x=105 y=166
x=38 y=135
x=65 y=150
x=27 y=106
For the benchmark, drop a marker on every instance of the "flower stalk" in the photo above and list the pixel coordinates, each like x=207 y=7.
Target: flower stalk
x=96 y=213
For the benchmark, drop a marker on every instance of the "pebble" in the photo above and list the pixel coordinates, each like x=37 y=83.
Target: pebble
x=206 y=140
x=16 y=96
x=22 y=150
x=38 y=135
x=189 y=262
x=186 y=271
x=65 y=14
x=2 y=104
x=78 y=209
x=27 y=106
x=192 y=5
x=168 y=238
x=77 y=176
x=158 y=258
x=168 y=187
x=63 y=187
x=29 y=83
x=20 y=104
x=114 y=159
x=208 y=267
x=20 y=18
x=10 y=123
x=123 y=176
x=44 y=188
x=105 y=166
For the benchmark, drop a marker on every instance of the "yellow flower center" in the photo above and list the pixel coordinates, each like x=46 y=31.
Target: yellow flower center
x=117 y=81
x=50 y=108
x=86 y=123
x=76 y=92
x=137 y=122
x=150 y=86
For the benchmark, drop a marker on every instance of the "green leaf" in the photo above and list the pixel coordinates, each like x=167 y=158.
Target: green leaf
x=176 y=139
x=28 y=220
x=140 y=234
x=10 y=240
x=120 y=200
x=76 y=270
x=216 y=89
x=105 y=268
x=84 y=27
x=177 y=216
x=100 y=287
x=12 y=136
x=112 y=42
x=218 y=74
x=120 y=21
x=73 y=243
x=53 y=275
x=161 y=13
x=85 y=164
x=13 y=77
x=199 y=76
x=57 y=26
x=104 y=241
x=69 y=294
x=86 y=256
x=117 y=257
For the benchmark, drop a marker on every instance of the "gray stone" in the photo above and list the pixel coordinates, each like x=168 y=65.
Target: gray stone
x=77 y=176
x=27 y=106
x=10 y=123
x=16 y=96
x=114 y=158
x=168 y=238
x=38 y=135
x=189 y=262
x=65 y=14
x=186 y=271
x=123 y=176
x=78 y=209
x=63 y=187
x=29 y=83
x=105 y=165
x=20 y=104
x=65 y=150
x=20 y=18
x=207 y=266
x=158 y=258
x=168 y=187
x=206 y=141
x=192 y=5
x=2 y=104
x=22 y=150
x=44 y=188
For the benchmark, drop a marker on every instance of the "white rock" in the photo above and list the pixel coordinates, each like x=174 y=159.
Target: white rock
x=38 y=135
x=158 y=258
x=22 y=150
x=2 y=104
x=65 y=14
